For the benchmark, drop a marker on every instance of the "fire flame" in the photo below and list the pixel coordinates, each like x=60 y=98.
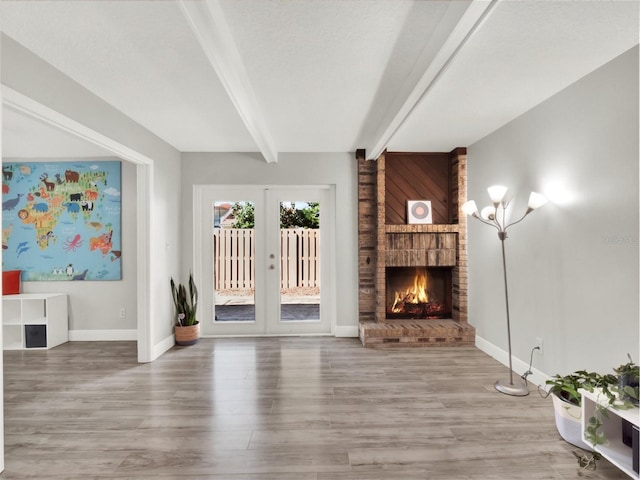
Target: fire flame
x=416 y=294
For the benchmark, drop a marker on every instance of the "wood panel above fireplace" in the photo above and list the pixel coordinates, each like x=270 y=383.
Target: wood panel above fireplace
x=417 y=176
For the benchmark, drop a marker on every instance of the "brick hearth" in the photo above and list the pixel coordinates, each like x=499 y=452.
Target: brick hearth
x=416 y=333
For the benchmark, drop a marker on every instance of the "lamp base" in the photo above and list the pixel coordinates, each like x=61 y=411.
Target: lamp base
x=517 y=389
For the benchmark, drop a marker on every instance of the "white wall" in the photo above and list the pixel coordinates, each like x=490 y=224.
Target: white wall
x=339 y=169
x=573 y=264
x=29 y=75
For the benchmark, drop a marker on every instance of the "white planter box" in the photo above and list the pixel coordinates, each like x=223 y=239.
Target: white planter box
x=569 y=422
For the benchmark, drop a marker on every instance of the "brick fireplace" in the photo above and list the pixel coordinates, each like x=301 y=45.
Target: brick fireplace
x=437 y=251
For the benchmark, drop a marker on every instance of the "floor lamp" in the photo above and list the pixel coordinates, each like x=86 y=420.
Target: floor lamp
x=495 y=217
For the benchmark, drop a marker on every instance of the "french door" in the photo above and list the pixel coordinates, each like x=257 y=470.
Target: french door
x=262 y=257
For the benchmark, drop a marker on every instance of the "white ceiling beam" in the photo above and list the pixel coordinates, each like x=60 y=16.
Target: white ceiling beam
x=209 y=24
x=19 y=102
x=471 y=20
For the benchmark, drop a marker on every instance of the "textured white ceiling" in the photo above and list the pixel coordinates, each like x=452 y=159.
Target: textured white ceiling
x=326 y=71
x=139 y=56
x=327 y=75
x=523 y=54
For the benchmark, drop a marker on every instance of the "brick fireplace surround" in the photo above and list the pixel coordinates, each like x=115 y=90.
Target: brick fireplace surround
x=386 y=240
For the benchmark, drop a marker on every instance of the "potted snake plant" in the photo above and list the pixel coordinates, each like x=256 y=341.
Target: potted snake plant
x=185 y=300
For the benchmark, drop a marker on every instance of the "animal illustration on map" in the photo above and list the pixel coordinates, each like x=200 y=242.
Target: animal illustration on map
x=7 y=173
x=91 y=195
x=56 y=201
x=80 y=276
x=71 y=176
x=6 y=232
x=101 y=274
x=22 y=250
x=94 y=225
x=72 y=207
x=50 y=186
x=12 y=202
x=115 y=255
x=72 y=244
x=45 y=238
x=101 y=242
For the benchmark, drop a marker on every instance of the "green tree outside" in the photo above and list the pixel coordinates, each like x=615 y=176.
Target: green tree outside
x=244 y=215
x=290 y=216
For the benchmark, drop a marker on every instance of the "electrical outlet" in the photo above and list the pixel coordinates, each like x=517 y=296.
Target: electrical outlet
x=539 y=345
x=123 y=313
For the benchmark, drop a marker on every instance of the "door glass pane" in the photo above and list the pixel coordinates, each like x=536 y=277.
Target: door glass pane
x=299 y=261
x=234 y=261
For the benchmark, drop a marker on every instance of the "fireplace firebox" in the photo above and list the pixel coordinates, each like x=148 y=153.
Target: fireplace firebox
x=418 y=292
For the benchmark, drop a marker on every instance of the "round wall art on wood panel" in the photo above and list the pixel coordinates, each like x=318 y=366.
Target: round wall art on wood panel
x=419 y=212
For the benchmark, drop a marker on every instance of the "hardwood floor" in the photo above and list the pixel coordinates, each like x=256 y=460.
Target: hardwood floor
x=275 y=408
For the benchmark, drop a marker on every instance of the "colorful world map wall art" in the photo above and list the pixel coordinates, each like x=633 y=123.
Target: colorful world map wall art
x=62 y=220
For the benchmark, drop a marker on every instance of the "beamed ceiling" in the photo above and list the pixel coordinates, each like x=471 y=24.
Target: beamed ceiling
x=314 y=75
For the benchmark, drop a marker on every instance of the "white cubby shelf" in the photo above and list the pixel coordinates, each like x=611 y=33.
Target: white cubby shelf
x=34 y=321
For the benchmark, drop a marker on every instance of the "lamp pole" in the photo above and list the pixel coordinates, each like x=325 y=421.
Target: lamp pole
x=503 y=236
x=489 y=216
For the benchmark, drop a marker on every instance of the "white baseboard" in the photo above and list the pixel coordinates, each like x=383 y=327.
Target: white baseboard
x=102 y=335
x=346 y=331
x=158 y=349
x=538 y=377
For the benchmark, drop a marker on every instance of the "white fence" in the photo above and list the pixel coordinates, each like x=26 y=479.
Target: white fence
x=234 y=254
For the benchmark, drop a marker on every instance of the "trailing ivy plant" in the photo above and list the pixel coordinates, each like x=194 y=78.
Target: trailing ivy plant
x=616 y=395
x=586 y=461
x=567 y=386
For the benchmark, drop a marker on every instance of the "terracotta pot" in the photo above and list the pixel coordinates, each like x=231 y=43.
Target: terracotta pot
x=187 y=335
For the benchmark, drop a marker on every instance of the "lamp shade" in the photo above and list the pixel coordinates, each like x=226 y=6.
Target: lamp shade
x=488 y=213
x=536 y=200
x=469 y=208
x=497 y=192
